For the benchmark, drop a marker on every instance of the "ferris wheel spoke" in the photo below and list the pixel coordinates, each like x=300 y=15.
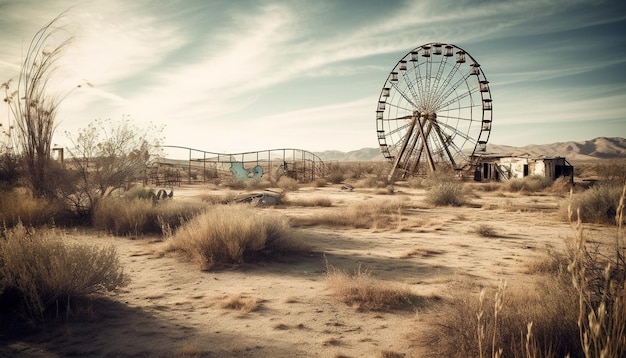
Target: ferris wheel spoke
x=437 y=79
x=456 y=118
x=410 y=100
x=420 y=84
x=446 y=82
x=453 y=88
x=401 y=128
x=408 y=110
x=456 y=131
x=409 y=84
x=470 y=107
x=458 y=98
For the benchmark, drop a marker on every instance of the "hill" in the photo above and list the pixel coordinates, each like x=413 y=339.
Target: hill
x=598 y=148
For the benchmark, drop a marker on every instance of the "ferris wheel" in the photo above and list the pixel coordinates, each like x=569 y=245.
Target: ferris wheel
x=434 y=111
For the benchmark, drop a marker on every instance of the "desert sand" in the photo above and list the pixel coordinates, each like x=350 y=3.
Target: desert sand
x=173 y=309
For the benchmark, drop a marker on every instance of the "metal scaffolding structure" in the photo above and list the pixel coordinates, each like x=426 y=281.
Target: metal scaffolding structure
x=183 y=164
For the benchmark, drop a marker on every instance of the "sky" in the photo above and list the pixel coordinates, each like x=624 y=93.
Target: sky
x=235 y=76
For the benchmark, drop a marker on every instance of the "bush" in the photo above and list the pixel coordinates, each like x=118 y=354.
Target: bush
x=468 y=325
x=363 y=292
x=529 y=184
x=138 y=216
x=597 y=204
x=599 y=279
x=19 y=205
x=319 y=201
x=335 y=177
x=41 y=274
x=368 y=215
x=233 y=234
x=446 y=193
x=287 y=184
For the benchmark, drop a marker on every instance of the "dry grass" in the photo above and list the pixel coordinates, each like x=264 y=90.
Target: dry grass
x=139 y=216
x=242 y=303
x=446 y=193
x=379 y=214
x=234 y=234
x=287 y=184
x=366 y=293
x=600 y=283
x=41 y=274
x=486 y=230
x=19 y=205
x=319 y=201
x=501 y=317
x=578 y=312
x=529 y=184
x=597 y=204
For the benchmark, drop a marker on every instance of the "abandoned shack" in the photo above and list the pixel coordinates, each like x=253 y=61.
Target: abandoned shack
x=494 y=167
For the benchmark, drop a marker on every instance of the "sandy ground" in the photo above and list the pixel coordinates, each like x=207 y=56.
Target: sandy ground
x=171 y=308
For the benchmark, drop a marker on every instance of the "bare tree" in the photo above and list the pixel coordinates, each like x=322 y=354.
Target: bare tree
x=107 y=156
x=34 y=108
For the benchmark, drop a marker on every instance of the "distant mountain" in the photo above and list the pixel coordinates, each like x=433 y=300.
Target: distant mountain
x=598 y=148
x=360 y=155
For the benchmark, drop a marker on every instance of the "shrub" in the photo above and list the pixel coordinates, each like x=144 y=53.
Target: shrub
x=19 y=205
x=41 y=274
x=139 y=216
x=485 y=230
x=597 y=204
x=471 y=326
x=241 y=302
x=287 y=184
x=446 y=193
x=364 y=292
x=368 y=215
x=530 y=184
x=600 y=282
x=311 y=202
x=335 y=177
x=233 y=234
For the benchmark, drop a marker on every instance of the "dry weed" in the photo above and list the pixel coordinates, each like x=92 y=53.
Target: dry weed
x=46 y=274
x=365 y=293
x=241 y=302
x=234 y=234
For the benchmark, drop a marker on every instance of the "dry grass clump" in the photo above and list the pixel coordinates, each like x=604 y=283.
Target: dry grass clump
x=234 y=234
x=486 y=230
x=600 y=283
x=378 y=214
x=597 y=204
x=142 y=216
x=241 y=302
x=370 y=182
x=319 y=201
x=19 y=205
x=529 y=184
x=287 y=184
x=42 y=276
x=366 y=293
x=446 y=193
x=496 y=321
